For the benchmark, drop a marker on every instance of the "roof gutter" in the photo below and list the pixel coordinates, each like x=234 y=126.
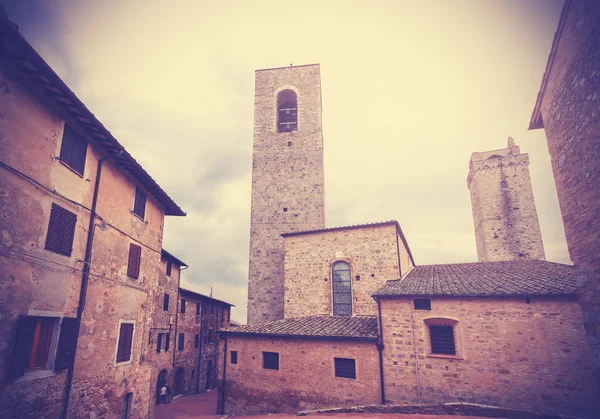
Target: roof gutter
x=359 y=338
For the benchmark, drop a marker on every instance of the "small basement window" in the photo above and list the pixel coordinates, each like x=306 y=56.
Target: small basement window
x=345 y=367
x=422 y=304
x=271 y=360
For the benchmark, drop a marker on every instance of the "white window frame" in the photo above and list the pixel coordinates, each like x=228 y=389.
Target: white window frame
x=121 y=321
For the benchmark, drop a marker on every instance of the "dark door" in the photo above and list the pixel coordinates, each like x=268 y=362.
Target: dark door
x=161 y=381
x=178 y=387
x=209 y=375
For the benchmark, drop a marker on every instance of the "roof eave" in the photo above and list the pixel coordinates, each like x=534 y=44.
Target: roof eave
x=299 y=336
x=170 y=256
x=203 y=296
x=412 y=295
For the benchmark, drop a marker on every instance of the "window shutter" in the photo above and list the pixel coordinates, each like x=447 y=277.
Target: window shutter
x=169 y=267
x=167 y=342
x=73 y=150
x=66 y=148
x=54 y=228
x=139 y=204
x=442 y=339
x=125 y=340
x=69 y=221
x=159 y=342
x=22 y=349
x=345 y=367
x=133 y=265
x=166 y=303
x=271 y=360
x=79 y=152
x=66 y=343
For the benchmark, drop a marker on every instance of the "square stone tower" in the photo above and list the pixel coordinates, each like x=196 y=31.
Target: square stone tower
x=287 y=178
x=504 y=214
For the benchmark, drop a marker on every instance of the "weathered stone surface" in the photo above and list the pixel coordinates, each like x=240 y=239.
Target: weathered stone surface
x=287 y=172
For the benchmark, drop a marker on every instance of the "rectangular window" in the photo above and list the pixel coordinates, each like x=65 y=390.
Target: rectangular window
x=193 y=374
x=197 y=308
x=42 y=333
x=422 y=304
x=345 y=367
x=169 y=266
x=271 y=360
x=61 y=231
x=442 y=339
x=166 y=303
x=160 y=342
x=73 y=150
x=234 y=357
x=167 y=342
x=133 y=264
x=180 y=343
x=139 y=204
x=125 y=342
x=196 y=341
x=183 y=305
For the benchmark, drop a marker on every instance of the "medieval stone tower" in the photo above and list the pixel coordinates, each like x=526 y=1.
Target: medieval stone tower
x=504 y=214
x=287 y=178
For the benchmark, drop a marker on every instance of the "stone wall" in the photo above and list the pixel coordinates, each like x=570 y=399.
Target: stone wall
x=287 y=182
x=504 y=213
x=510 y=353
x=371 y=252
x=570 y=110
x=305 y=379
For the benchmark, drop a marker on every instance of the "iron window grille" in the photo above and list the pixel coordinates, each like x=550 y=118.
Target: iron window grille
x=442 y=339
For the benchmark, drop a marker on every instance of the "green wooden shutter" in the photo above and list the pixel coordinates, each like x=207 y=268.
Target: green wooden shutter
x=66 y=343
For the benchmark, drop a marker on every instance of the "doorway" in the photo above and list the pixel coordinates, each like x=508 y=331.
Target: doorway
x=178 y=387
x=209 y=375
x=161 y=381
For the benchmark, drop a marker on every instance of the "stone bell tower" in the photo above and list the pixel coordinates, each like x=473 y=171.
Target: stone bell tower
x=504 y=214
x=287 y=178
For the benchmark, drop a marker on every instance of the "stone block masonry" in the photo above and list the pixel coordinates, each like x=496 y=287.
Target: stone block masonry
x=504 y=213
x=287 y=182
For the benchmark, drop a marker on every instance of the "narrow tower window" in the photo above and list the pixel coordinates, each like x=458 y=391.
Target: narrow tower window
x=342 y=289
x=287 y=111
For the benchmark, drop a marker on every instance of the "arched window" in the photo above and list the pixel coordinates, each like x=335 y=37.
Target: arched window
x=287 y=111
x=342 y=289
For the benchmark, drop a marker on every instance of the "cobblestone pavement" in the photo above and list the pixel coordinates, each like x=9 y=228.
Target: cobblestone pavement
x=203 y=406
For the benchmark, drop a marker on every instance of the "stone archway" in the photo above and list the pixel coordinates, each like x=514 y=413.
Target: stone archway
x=178 y=385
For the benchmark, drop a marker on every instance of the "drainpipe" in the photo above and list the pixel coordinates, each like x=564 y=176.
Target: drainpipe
x=412 y=319
x=200 y=344
x=221 y=407
x=380 y=349
x=83 y=291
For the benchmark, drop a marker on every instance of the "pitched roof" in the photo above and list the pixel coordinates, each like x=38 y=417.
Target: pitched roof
x=356 y=226
x=527 y=277
x=206 y=297
x=167 y=255
x=319 y=326
x=38 y=74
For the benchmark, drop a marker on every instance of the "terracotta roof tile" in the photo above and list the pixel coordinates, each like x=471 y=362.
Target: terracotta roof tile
x=320 y=326
x=528 y=277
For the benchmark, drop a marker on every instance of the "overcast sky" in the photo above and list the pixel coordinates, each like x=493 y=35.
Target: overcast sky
x=410 y=90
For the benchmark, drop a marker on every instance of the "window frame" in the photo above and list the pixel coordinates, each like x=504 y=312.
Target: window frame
x=459 y=351
x=181 y=341
x=264 y=359
x=279 y=102
x=196 y=340
x=130 y=360
x=169 y=268
x=333 y=291
x=233 y=357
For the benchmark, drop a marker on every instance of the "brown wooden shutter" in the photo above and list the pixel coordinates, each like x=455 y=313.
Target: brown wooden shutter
x=66 y=148
x=22 y=348
x=73 y=150
x=125 y=340
x=79 y=152
x=167 y=342
x=133 y=265
x=54 y=228
x=66 y=343
x=67 y=233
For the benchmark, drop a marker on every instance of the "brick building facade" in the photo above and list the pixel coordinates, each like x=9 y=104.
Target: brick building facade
x=568 y=108
x=82 y=229
x=287 y=178
x=504 y=213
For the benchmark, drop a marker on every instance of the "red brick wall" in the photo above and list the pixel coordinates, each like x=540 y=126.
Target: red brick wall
x=306 y=378
x=371 y=252
x=510 y=354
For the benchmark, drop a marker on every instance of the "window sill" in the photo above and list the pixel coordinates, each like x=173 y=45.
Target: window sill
x=118 y=364
x=442 y=356
x=71 y=169
x=137 y=216
x=35 y=375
